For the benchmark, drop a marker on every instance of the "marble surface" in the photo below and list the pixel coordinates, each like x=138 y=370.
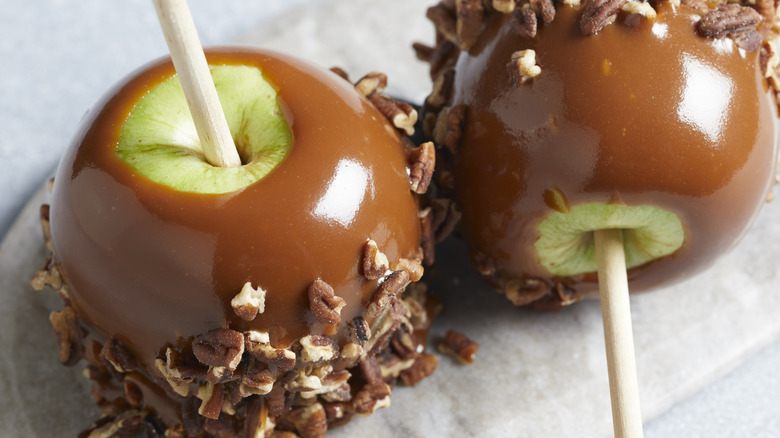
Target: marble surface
x=59 y=56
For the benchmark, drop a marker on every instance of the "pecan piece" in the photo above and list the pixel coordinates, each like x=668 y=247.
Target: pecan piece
x=371 y=84
x=248 y=303
x=444 y=21
x=423 y=367
x=358 y=331
x=49 y=275
x=545 y=8
x=639 y=8
x=310 y=421
x=402 y=115
x=316 y=348
x=599 y=13
x=258 y=344
x=423 y=51
x=522 y=66
x=258 y=423
x=469 y=22
x=257 y=379
x=503 y=6
x=423 y=161
x=221 y=427
x=442 y=90
x=66 y=327
x=118 y=356
x=458 y=345
x=46 y=225
x=211 y=397
x=371 y=397
x=526 y=291
x=728 y=20
x=524 y=22
x=324 y=304
x=374 y=262
x=221 y=349
x=393 y=285
x=127 y=423
x=341 y=73
x=413 y=268
x=426 y=236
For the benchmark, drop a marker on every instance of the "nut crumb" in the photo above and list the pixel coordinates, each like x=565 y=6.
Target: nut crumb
x=374 y=262
x=523 y=66
x=324 y=304
x=248 y=303
x=458 y=345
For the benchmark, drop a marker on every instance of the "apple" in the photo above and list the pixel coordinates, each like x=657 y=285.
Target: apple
x=645 y=126
x=207 y=298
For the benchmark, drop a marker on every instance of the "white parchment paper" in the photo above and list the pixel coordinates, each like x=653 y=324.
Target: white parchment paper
x=536 y=375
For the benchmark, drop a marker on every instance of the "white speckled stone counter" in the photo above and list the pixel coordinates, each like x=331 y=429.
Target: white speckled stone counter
x=537 y=375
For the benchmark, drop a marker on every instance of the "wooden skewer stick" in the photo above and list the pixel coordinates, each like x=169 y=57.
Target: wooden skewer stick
x=616 y=314
x=195 y=77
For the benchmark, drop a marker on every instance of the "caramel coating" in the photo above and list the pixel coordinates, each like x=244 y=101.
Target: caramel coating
x=153 y=267
x=645 y=112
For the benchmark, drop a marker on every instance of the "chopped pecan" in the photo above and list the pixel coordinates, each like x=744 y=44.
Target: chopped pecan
x=444 y=57
x=699 y=5
x=310 y=421
x=324 y=305
x=127 y=423
x=133 y=393
x=444 y=21
x=423 y=367
x=426 y=236
x=221 y=349
x=599 y=13
x=340 y=72
x=456 y=117
x=458 y=345
x=526 y=291
x=66 y=327
x=442 y=90
x=338 y=413
x=334 y=387
x=405 y=345
x=374 y=263
x=639 y=8
x=728 y=20
x=371 y=84
x=308 y=379
x=424 y=52
x=503 y=6
x=383 y=326
x=211 y=397
x=393 y=285
x=358 y=330
x=524 y=22
x=117 y=354
x=566 y=294
x=316 y=348
x=545 y=8
x=749 y=41
x=767 y=9
x=258 y=424
x=402 y=115
x=257 y=379
x=371 y=397
x=46 y=225
x=258 y=344
x=179 y=369
x=249 y=302
x=485 y=265
x=221 y=427
x=49 y=275
x=392 y=366
x=445 y=217
x=423 y=161
x=413 y=268
x=522 y=66
x=468 y=26
x=279 y=401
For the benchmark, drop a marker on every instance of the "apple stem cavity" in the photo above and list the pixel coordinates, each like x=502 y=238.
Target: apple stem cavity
x=196 y=82
x=618 y=334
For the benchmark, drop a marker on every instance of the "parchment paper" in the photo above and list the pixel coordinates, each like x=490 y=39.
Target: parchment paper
x=536 y=375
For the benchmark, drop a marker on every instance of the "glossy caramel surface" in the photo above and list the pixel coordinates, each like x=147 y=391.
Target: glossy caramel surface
x=152 y=266
x=646 y=112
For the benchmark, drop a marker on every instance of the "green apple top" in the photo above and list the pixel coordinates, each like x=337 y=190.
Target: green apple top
x=154 y=243
x=645 y=126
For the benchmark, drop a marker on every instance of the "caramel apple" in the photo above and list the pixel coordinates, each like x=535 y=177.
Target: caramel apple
x=251 y=299
x=558 y=120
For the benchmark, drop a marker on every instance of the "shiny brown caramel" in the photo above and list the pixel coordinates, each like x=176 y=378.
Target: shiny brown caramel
x=645 y=112
x=153 y=267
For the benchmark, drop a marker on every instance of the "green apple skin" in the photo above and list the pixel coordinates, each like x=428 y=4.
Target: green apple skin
x=683 y=148
x=154 y=265
x=160 y=141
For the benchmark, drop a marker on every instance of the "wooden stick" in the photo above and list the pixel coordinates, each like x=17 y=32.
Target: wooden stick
x=193 y=71
x=616 y=314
